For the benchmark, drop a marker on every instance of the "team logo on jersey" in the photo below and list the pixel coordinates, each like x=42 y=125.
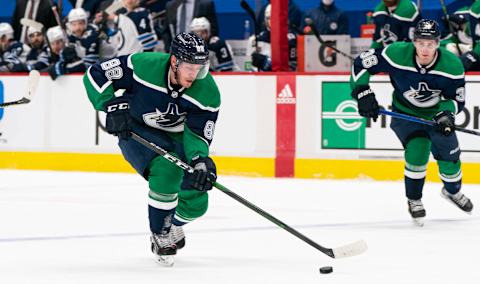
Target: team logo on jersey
x=170 y=120
x=423 y=96
x=387 y=35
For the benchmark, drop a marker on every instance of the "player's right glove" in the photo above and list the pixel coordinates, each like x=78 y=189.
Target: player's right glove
x=444 y=122
x=367 y=103
x=119 y=121
x=203 y=177
x=469 y=59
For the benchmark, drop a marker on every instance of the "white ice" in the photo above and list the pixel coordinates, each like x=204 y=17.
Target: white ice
x=64 y=227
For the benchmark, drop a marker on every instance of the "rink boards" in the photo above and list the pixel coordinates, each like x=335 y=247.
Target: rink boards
x=271 y=124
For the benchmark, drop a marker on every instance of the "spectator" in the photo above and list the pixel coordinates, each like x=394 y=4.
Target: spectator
x=262 y=52
x=180 y=13
x=327 y=18
x=143 y=23
x=12 y=53
x=220 y=53
x=38 y=10
x=394 y=20
x=62 y=59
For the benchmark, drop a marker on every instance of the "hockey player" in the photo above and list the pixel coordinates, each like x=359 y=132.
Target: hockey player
x=62 y=59
x=394 y=21
x=262 y=58
x=13 y=54
x=429 y=83
x=471 y=60
x=171 y=100
x=221 y=58
x=83 y=36
x=459 y=40
x=37 y=58
x=143 y=22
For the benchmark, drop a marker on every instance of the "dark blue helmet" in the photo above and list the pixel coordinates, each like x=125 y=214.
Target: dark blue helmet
x=427 y=29
x=189 y=48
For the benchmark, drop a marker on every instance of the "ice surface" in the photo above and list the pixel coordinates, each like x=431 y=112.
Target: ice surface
x=67 y=227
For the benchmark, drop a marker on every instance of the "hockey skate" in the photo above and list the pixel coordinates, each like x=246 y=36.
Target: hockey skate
x=416 y=210
x=458 y=199
x=178 y=236
x=163 y=248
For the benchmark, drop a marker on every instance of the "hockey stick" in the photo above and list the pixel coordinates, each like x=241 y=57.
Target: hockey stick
x=339 y=252
x=423 y=121
x=310 y=23
x=32 y=83
x=251 y=13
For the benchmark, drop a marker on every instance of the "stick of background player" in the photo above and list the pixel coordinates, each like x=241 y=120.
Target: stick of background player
x=251 y=13
x=312 y=26
x=339 y=252
x=32 y=83
x=450 y=27
x=424 y=121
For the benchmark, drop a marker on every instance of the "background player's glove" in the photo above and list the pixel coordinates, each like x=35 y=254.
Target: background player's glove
x=56 y=70
x=261 y=61
x=468 y=60
x=69 y=54
x=203 y=177
x=444 y=122
x=119 y=121
x=367 y=103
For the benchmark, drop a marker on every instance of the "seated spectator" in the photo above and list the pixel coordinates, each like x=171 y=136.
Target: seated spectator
x=327 y=18
x=13 y=54
x=62 y=59
x=261 y=52
x=221 y=58
x=143 y=23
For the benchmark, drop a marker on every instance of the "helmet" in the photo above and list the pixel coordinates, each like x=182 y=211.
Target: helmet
x=55 y=33
x=268 y=12
x=458 y=20
x=190 y=48
x=200 y=24
x=32 y=30
x=77 y=15
x=6 y=30
x=427 y=29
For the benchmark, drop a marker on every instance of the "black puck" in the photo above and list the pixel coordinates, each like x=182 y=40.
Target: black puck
x=326 y=269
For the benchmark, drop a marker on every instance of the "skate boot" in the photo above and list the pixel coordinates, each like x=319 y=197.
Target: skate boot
x=178 y=236
x=416 y=210
x=459 y=199
x=163 y=248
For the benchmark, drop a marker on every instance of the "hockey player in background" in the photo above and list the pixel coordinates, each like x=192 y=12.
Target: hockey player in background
x=143 y=23
x=394 y=21
x=37 y=57
x=83 y=36
x=13 y=54
x=171 y=100
x=262 y=58
x=62 y=58
x=428 y=83
x=221 y=58
x=459 y=40
x=471 y=59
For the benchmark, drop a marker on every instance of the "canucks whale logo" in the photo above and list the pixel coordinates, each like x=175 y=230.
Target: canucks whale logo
x=170 y=120
x=423 y=96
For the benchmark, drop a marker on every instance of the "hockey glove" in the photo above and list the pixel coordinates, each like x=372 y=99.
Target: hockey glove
x=119 y=121
x=367 y=103
x=262 y=62
x=444 y=122
x=203 y=177
x=69 y=54
x=469 y=59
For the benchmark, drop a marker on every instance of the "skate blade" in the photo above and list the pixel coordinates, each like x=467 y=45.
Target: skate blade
x=418 y=221
x=165 y=260
x=454 y=204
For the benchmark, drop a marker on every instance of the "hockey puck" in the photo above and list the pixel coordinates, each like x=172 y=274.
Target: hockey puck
x=326 y=269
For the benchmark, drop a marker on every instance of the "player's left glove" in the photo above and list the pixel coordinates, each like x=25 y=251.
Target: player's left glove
x=367 y=103
x=203 y=177
x=444 y=122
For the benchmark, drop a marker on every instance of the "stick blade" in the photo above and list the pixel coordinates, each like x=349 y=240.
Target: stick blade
x=33 y=78
x=349 y=250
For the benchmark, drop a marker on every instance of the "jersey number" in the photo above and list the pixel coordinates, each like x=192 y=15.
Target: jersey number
x=112 y=69
x=369 y=58
x=143 y=24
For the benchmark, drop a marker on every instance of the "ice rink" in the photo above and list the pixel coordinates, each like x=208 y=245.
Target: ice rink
x=65 y=227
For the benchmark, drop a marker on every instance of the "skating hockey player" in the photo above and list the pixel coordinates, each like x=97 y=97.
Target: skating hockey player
x=394 y=21
x=428 y=83
x=171 y=100
x=221 y=58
